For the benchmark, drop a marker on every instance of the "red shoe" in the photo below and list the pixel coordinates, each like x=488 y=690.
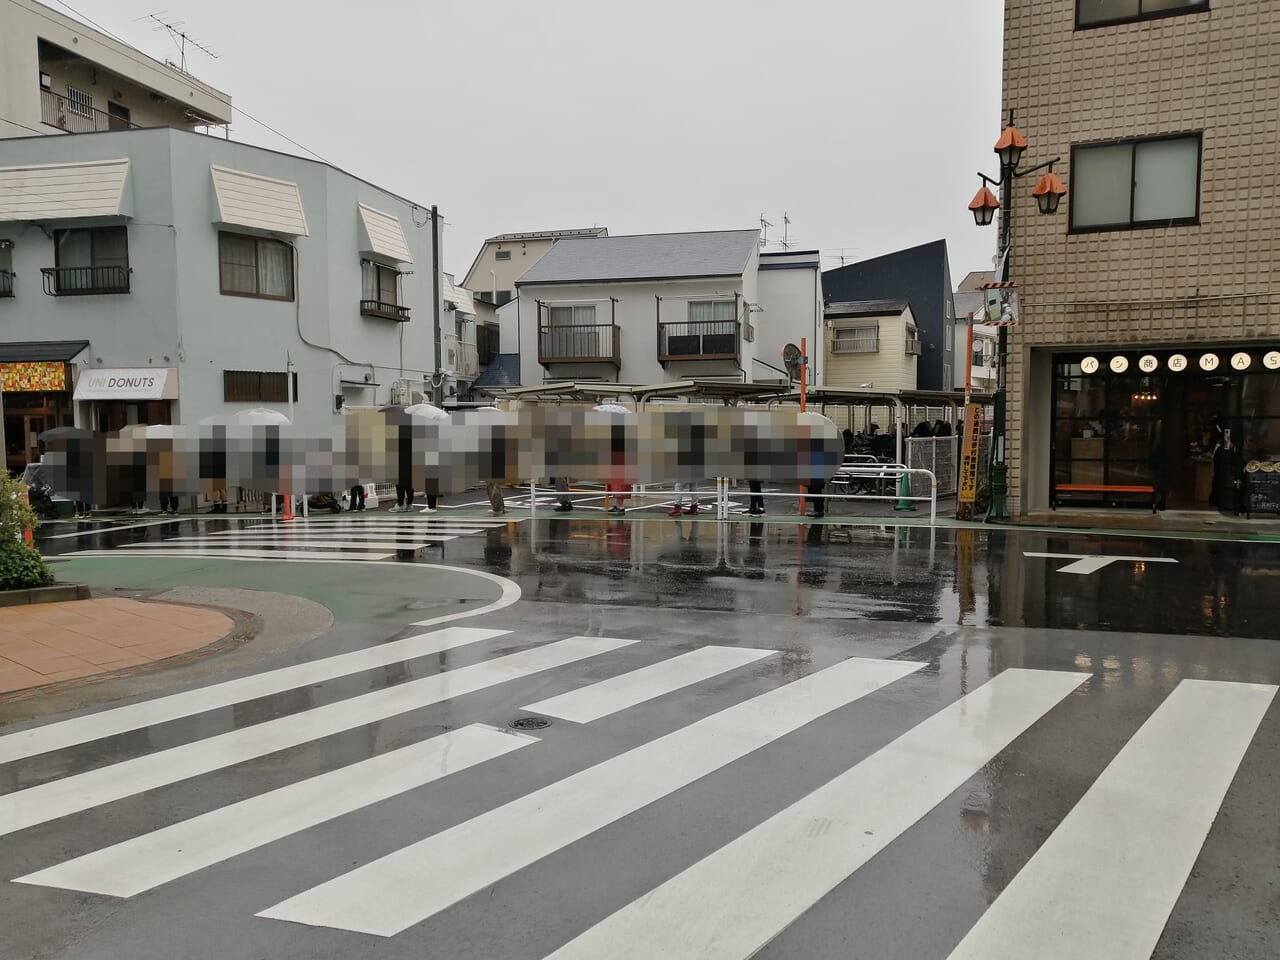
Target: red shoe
x=674 y=511
x=691 y=510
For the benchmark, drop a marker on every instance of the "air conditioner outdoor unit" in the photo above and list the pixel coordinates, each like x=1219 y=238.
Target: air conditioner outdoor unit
x=913 y=347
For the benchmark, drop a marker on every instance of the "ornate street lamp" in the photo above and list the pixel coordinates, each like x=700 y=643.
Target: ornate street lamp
x=1048 y=192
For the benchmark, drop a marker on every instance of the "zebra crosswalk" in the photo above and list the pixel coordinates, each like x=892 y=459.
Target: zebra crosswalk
x=363 y=537
x=1119 y=858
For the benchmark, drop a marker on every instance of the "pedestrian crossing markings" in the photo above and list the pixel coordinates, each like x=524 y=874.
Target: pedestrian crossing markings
x=1136 y=832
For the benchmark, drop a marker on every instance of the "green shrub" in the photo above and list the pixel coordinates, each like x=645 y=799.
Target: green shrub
x=16 y=514
x=22 y=567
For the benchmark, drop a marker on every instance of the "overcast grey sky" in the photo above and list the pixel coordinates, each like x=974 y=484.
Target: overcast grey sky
x=865 y=120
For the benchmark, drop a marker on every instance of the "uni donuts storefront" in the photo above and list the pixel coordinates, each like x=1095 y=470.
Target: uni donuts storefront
x=1196 y=423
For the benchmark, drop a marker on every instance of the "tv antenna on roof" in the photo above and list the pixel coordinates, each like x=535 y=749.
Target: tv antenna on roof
x=764 y=231
x=181 y=39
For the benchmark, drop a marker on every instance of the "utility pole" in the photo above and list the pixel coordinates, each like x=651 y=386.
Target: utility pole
x=437 y=386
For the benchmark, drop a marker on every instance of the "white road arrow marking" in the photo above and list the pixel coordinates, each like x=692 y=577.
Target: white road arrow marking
x=1092 y=563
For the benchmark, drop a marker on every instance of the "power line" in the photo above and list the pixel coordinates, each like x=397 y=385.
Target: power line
x=240 y=110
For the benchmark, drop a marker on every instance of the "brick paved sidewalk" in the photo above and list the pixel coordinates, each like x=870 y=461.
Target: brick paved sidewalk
x=52 y=642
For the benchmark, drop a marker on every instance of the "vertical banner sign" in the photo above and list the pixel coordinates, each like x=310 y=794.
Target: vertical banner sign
x=969 y=458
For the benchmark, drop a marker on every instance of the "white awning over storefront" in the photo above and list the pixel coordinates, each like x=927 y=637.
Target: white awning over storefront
x=128 y=383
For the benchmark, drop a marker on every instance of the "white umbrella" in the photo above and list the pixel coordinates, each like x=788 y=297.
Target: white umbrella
x=252 y=417
x=428 y=410
x=610 y=408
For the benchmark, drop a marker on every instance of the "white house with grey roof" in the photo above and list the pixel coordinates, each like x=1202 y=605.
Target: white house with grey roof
x=653 y=308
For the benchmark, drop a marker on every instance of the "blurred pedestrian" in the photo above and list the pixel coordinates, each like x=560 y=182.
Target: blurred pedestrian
x=755 y=505
x=562 y=488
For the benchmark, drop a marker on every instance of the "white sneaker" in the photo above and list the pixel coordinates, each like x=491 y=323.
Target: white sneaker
x=497 y=513
x=396 y=510
x=427 y=510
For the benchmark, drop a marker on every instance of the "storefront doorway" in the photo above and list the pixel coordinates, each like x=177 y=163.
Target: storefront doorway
x=1187 y=422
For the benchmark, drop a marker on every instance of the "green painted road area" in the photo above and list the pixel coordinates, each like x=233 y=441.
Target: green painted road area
x=390 y=593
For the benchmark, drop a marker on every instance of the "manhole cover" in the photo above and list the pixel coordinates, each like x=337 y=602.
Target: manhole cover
x=529 y=723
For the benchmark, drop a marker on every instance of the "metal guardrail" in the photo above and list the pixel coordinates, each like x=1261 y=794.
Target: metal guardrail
x=719 y=498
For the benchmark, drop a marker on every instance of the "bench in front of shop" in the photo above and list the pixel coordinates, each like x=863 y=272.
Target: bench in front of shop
x=1105 y=490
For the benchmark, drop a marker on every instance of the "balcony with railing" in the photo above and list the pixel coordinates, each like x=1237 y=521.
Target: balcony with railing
x=6 y=283
x=60 y=111
x=84 y=281
x=699 y=340
x=386 y=311
x=579 y=343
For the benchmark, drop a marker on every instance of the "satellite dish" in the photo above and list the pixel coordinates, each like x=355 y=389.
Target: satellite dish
x=791 y=359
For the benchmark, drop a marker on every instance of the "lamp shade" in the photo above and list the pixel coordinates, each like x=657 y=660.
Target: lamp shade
x=983 y=206
x=1048 y=192
x=1010 y=146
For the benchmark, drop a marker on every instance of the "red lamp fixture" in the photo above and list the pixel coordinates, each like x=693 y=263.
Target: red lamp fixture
x=983 y=206
x=1048 y=192
x=1010 y=146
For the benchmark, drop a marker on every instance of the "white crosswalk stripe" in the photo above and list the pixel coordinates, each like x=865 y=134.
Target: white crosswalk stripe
x=735 y=901
x=106 y=723
x=136 y=865
x=362 y=537
x=1120 y=859
x=403 y=888
x=49 y=801
x=1135 y=834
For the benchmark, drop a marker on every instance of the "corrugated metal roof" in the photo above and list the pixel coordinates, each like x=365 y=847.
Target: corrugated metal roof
x=61 y=190
x=552 y=234
x=382 y=235
x=645 y=257
x=503 y=371
x=41 y=350
x=866 y=308
x=263 y=203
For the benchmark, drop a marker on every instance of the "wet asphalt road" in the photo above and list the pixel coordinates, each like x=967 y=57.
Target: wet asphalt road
x=968 y=605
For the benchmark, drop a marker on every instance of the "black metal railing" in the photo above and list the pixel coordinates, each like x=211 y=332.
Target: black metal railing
x=6 y=283
x=84 y=281
x=66 y=114
x=579 y=343
x=387 y=311
x=699 y=340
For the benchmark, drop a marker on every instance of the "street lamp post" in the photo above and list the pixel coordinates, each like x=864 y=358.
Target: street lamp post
x=1048 y=192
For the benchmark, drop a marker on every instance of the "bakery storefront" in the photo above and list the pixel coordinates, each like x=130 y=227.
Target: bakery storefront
x=119 y=398
x=37 y=397
x=1197 y=424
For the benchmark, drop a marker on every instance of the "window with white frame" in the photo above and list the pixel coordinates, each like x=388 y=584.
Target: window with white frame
x=578 y=315
x=1137 y=183
x=855 y=338
x=1096 y=13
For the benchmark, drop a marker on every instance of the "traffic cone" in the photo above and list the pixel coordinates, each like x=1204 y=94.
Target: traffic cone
x=288 y=507
x=904 y=491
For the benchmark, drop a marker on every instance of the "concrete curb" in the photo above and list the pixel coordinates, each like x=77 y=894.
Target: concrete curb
x=55 y=593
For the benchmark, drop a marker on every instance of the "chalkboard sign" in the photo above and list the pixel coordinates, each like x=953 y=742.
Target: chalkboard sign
x=1261 y=492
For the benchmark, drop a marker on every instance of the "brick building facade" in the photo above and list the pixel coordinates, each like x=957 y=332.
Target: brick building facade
x=1149 y=301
